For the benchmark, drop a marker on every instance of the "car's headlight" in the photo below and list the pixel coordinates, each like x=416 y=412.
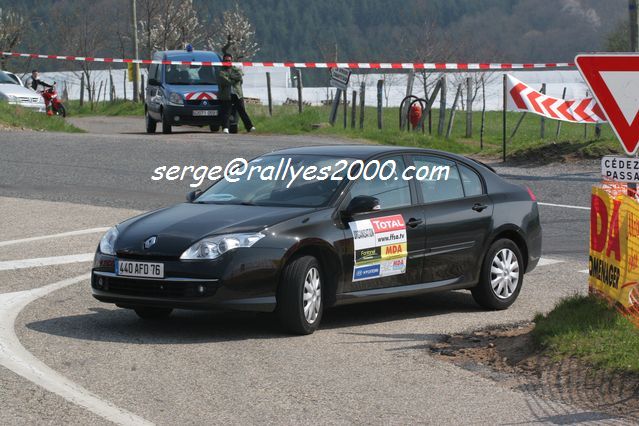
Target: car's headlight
x=107 y=243
x=214 y=247
x=9 y=98
x=176 y=98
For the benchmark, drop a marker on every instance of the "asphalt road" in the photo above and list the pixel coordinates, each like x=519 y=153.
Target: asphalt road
x=64 y=357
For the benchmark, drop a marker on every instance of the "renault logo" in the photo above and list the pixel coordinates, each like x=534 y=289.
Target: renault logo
x=205 y=103
x=150 y=241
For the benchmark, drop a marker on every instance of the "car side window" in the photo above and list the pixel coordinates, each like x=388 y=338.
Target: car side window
x=391 y=193
x=440 y=178
x=153 y=70
x=471 y=181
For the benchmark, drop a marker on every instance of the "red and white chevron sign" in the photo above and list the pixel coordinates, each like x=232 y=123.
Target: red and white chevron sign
x=439 y=66
x=524 y=98
x=199 y=96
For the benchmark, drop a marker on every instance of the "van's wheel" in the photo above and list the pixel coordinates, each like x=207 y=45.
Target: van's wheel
x=151 y=124
x=166 y=127
x=502 y=275
x=151 y=313
x=233 y=128
x=215 y=127
x=299 y=296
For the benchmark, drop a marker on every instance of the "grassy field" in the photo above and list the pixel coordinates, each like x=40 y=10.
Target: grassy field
x=585 y=327
x=574 y=139
x=22 y=118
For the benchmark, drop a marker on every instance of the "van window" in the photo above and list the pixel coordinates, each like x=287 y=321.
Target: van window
x=153 y=70
x=189 y=75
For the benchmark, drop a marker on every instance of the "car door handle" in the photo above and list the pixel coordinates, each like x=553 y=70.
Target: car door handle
x=479 y=207
x=413 y=223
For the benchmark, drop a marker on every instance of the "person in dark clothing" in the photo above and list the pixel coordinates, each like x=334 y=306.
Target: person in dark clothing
x=35 y=81
x=231 y=95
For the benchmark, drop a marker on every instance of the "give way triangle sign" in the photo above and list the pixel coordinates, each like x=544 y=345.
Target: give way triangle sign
x=614 y=81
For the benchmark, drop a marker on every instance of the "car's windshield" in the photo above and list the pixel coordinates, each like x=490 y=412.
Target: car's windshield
x=6 y=79
x=257 y=189
x=190 y=74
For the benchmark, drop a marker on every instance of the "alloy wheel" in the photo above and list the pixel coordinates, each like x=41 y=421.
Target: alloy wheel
x=312 y=296
x=504 y=273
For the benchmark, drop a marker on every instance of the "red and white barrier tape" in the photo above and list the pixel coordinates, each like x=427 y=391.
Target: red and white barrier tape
x=352 y=65
x=525 y=98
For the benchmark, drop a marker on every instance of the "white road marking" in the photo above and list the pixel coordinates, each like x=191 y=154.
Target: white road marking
x=45 y=261
x=565 y=206
x=544 y=261
x=60 y=235
x=18 y=359
x=585 y=271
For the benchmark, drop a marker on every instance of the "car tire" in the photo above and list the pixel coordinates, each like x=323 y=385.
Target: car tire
x=299 y=296
x=502 y=276
x=151 y=124
x=166 y=127
x=61 y=111
x=151 y=313
x=233 y=128
x=214 y=128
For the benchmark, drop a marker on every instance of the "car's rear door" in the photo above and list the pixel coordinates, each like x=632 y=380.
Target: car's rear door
x=458 y=215
x=385 y=247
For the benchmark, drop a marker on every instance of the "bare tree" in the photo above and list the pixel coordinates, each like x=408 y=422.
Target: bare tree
x=169 y=24
x=235 y=33
x=12 y=25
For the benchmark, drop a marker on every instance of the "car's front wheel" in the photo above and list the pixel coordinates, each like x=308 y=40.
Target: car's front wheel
x=151 y=124
x=502 y=275
x=299 y=296
x=166 y=126
x=151 y=313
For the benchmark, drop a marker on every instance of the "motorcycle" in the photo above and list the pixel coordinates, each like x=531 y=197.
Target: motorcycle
x=52 y=101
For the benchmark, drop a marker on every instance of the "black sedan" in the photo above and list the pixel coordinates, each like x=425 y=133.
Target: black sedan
x=296 y=249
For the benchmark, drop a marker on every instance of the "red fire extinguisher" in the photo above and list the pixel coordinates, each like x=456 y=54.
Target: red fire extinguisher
x=415 y=114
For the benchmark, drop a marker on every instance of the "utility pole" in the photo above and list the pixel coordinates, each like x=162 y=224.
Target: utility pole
x=134 y=22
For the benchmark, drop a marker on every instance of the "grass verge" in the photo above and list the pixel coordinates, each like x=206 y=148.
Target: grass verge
x=15 y=116
x=587 y=328
x=116 y=108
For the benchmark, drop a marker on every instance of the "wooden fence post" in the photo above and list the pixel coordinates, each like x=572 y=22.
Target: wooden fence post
x=300 y=106
x=268 y=91
x=442 y=107
x=362 y=104
x=142 y=93
x=345 y=98
x=409 y=91
x=353 y=109
x=124 y=84
x=503 y=117
x=111 y=94
x=542 y=130
x=563 y=96
x=452 y=111
x=380 y=96
x=336 y=99
x=82 y=90
x=483 y=113
x=469 y=107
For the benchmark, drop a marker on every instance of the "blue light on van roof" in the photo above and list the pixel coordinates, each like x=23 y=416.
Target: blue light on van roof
x=189 y=47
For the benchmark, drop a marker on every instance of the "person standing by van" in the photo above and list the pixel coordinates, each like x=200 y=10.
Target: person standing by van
x=231 y=95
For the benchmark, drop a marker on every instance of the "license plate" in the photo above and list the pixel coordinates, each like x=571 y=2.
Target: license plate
x=139 y=269
x=205 y=112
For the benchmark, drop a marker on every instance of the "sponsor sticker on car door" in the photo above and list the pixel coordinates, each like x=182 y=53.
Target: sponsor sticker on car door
x=379 y=247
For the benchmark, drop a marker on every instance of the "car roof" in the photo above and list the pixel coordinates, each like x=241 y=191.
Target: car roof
x=183 y=55
x=363 y=152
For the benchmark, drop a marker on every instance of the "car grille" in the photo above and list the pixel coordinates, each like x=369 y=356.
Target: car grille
x=27 y=100
x=151 y=288
x=198 y=102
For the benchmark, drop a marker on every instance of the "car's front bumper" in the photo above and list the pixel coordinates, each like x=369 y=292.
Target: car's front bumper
x=36 y=106
x=245 y=280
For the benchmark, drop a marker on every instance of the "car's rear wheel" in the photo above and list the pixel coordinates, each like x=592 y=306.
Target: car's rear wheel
x=215 y=127
x=502 y=276
x=299 y=296
x=233 y=128
x=151 y=124
x=151 y=313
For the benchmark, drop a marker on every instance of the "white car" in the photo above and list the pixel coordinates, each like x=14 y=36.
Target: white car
x=15 y=93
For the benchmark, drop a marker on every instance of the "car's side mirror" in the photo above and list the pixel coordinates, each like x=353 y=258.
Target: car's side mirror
x=362 y=204
x=153 y=82
x=191 y=196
